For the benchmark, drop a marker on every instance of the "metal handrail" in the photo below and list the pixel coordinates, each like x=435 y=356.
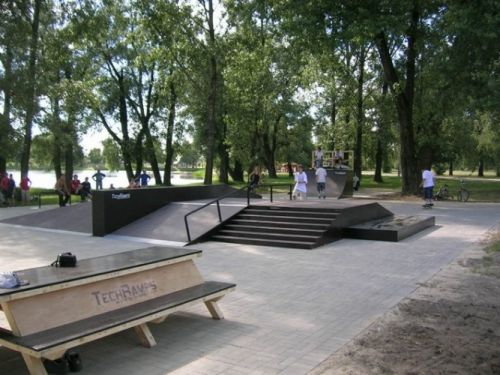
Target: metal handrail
x=274 y=185
x=217 y=200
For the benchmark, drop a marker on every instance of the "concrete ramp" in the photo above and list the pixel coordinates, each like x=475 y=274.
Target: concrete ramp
x=73 y=218
x=338 y=183
x=167 y=223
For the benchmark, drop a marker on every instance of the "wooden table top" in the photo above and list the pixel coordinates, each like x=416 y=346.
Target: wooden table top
x=41 y=277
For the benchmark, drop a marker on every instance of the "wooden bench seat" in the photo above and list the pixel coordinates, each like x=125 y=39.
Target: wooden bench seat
x=70 y=335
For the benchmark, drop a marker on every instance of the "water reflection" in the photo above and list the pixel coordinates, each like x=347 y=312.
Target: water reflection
x=46 y=180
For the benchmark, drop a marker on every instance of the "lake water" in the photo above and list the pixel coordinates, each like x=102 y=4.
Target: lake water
x=46 y=180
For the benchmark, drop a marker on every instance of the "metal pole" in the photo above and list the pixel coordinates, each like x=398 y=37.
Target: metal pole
x=271 y=186
x=248 y=196
x=187 y=229
x=290 y=186
x=218 y=211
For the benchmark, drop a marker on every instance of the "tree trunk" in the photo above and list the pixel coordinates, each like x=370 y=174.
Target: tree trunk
x=138 y=153
x=31 y=106
x=151 y=151
x=125 y=143
x=404 y=103
x=237 y=173
x=223 y=156
x=333 y=119
x=269 y=144
x=360 y=115
x=169 y=149
x=378 y=159
x=212 y=98
x=5 y=123
x=480 y=170
x=450 y=168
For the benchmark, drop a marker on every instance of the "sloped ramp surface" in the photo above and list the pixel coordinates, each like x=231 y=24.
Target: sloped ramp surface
x=74 y=218
x=167 y=223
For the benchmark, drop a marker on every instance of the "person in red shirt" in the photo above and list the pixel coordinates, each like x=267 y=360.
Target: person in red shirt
x=25 y=189
x=75 y=185
x=4 y=187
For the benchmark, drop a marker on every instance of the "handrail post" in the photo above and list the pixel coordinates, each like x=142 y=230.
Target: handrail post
x=271 y=186
x=290 y=186
x=187 y=229
x=218 y=211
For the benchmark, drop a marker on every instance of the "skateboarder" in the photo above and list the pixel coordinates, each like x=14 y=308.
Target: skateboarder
x=428 y=184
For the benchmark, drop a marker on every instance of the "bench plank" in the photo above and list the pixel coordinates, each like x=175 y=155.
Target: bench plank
x=57 y=336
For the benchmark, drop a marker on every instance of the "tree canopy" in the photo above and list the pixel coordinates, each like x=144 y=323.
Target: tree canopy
x=234 y=84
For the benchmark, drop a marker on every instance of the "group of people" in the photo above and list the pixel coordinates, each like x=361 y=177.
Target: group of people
x=300 y=177
x=338 y=158
x=300 y=187
x=83 y=189
x=8 y=186
x=141 y=180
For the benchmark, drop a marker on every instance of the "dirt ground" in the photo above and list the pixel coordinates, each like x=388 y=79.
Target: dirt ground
x=449 y=325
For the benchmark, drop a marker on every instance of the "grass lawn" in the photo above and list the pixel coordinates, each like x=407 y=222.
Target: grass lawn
x=482 y=189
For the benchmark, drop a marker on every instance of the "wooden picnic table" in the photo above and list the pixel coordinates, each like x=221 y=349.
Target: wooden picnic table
x=62 y=308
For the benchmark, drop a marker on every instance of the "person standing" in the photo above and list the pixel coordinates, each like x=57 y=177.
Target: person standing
x=321 y=182
x=428 y=185
x=144 y=179
x=62 y=190
x=355 y=182
x=98 y=177
x=25 y=189
x=300 y=190
x=4 y=187
x=10 y=190
x=318 y=158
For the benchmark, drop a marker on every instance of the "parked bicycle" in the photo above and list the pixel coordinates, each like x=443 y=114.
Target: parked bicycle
x=463 y=194
x=443 y=194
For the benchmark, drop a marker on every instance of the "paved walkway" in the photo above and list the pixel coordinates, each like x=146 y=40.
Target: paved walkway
x=291 y=308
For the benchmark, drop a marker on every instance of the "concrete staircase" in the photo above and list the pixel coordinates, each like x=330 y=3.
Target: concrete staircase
x=293 y=227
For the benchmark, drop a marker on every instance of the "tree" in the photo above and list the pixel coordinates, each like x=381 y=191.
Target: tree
x=111 y=155
x=31 y=94
x=96 y=158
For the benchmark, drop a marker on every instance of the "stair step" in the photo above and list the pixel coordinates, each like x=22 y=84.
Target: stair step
x=299 y=213
x=265 y=235
x=284 y=218
x=266 y=242
x=279 y=224
x=295 y=208
x=259 y=228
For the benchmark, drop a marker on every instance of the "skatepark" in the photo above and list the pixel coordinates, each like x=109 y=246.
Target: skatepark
x=291 y=309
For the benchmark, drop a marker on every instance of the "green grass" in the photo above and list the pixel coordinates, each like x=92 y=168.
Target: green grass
x=388 y=182
x=481 y=190
x=493 y=243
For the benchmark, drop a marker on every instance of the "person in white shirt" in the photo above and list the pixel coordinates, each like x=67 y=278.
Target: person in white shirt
x=338 y=158
x=318 y=158
x=428 y=185
x=300 y=189
x=321 y=182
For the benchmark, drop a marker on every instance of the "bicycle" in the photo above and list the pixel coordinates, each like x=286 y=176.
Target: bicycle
x=443 y=194
x=463 y=194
